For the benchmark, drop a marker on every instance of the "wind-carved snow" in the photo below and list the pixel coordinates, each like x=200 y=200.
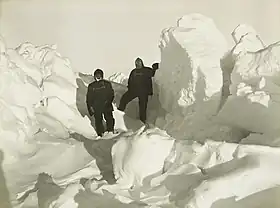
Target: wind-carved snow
x=194 y=72
x=16 y=105
x=255 y=86
x=31 y=110
x=220 y=170
x=200 y=175
x=130 y=155
x=42 y=72
x=208 y=94
x=190 y=78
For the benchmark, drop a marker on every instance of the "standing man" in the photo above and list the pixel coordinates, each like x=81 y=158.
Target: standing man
x=100 y=96
x=139 y=86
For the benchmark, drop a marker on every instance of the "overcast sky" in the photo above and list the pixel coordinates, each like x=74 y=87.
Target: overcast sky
x=110 y=34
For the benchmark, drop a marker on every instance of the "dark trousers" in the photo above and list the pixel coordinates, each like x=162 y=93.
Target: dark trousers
x=110 y=121
x=143 y=102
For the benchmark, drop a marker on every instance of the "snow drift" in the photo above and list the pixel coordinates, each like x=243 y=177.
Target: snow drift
x=37 y=103
x=211 y=174
x=32 y=127
x=199 y=175
x=42 y=72
x=130 y=155
x=190 y=79
x=255 y=86
x=215 y=94
x=194 y=71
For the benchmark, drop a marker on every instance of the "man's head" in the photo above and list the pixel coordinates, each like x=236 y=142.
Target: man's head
x=155 y=66
x=98 y=74
x=139 y=63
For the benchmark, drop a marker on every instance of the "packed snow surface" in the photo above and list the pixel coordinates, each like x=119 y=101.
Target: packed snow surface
x=215 y=142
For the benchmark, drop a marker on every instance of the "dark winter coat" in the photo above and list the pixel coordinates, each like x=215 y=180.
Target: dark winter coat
x=100 y=96
x=140 y=81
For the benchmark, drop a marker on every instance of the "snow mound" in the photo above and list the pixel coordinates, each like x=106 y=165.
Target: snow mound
x=194 y=72
x=40 y=71
x=68 y=116
x=150 y=167
x=38 y=109
x=198 y=175
x=134 y=164
x=124 y=122
x=190 y=76
x=18 y=119
x=255 y=86
x=134 y=156
x=201 y=174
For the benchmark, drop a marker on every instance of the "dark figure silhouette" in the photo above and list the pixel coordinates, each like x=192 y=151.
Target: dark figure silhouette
x=139 y=86
x=100 y=96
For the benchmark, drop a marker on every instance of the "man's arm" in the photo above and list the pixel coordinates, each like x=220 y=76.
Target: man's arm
x=89 y=100
x=111 y=93
x=153 y=72
x=150 y=72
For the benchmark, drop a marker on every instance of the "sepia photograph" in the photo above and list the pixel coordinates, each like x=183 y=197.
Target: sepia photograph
x=139 y=104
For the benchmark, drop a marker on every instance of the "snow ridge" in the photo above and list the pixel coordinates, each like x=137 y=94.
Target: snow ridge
x=221 y=105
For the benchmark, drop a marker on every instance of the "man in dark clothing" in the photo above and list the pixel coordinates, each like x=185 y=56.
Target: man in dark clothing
x=140 y=86
x=100 y=96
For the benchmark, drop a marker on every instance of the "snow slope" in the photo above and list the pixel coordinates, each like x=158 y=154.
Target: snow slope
x=209 y=103
x=46 y=123
x=31 y=126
